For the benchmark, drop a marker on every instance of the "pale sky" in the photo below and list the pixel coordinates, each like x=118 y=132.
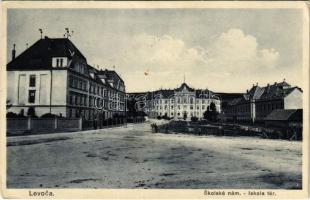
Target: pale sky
x=219 y=49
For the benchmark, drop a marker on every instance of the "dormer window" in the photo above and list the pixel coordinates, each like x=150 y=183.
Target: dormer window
x=59 y=62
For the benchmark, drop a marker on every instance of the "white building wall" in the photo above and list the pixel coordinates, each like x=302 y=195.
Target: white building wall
x=293 y=100
x=59 y=88
x=18 y=91
x=18 y=81
x=11 y=87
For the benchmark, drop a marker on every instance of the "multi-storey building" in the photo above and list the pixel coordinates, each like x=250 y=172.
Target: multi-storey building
x=258 y=102
x=52 y=76
x=183 y=102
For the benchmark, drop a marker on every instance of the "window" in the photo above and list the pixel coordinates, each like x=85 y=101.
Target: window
x=61 y=61
x=82 y=100
x=32 y=80
x=71 y=81
x=75 y=83
x=71 y=101
x=32 y=96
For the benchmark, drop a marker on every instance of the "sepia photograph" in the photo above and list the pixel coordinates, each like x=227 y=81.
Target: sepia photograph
x=156 y=97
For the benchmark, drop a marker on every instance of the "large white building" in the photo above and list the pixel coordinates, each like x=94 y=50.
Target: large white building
x=179 y=103
x=52 y=76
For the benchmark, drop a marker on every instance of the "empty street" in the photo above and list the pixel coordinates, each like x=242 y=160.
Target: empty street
x=133 y=157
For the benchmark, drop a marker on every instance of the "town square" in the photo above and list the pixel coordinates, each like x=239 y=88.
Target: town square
x=156 y=98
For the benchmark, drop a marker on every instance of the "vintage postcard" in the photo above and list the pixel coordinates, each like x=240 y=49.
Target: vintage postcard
x=164 y=100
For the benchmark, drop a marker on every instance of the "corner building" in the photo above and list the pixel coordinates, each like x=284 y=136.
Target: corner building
x=52 y=76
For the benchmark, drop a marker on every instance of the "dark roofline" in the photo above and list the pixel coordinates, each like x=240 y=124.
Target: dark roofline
x=16 y=57
x=110 y=71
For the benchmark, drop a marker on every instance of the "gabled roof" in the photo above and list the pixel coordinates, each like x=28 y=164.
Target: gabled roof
x=184 y=86
x=283 y=84
x=285 y=115
x=39 y=55
x=255 y=92
x=288 y=91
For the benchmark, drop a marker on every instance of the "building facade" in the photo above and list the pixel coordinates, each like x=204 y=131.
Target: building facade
x=180 y=103
x=258 y=102
x=52 y=76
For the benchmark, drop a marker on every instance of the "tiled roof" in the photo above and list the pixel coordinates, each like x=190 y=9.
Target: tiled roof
x=38 y=56
x=285 y=115
x=109 y=74
x=204 y=93
x=236 y=101
x=228 y=96
x=256 y=92
x=164 y=93
x=277 y=91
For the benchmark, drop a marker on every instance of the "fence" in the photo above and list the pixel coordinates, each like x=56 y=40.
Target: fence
x=21 y=126
x=91 y=124
x=34 y=125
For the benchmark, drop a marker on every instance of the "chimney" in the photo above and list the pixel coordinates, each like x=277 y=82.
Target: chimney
x=13 y=52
